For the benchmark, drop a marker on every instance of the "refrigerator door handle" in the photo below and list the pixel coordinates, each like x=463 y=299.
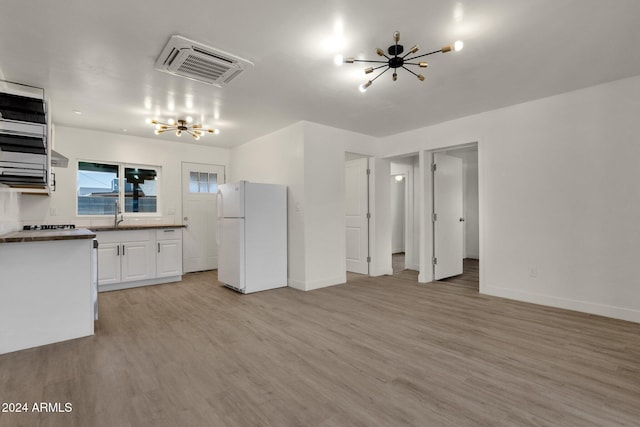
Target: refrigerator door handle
x=220 y=214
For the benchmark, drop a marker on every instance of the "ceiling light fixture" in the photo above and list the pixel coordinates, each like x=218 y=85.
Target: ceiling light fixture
x=195 y=130
x=395 y=60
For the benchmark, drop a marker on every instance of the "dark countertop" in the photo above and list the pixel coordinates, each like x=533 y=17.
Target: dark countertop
x=78 y=233
x=46 y=235
x=134 y=227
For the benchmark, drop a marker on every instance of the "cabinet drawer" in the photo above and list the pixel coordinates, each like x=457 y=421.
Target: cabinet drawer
x=169 y=234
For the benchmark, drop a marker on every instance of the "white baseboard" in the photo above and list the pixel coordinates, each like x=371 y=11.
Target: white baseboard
x=565 y=303
x=317 y=284
x=148 y=282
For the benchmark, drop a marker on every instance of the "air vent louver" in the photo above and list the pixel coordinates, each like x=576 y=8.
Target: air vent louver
x=186 y=58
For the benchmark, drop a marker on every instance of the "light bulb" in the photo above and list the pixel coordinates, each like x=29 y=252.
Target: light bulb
x=363 y=87
x=189 y=119
x=457 y=46
x=399 y=178
x=414 y=49
x=338 y=59
x=396 y=36
x=178 y=132
x=349 y=60
x=380 y=52
x=424 y=64
x=157 y=131
x=395 y=76
x=420 y=77
x=196 y=137
x=171 y=122
x=368 y=70
x=216 y=131
x=147 y=121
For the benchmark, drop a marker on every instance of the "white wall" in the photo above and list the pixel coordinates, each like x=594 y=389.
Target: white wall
x=82 y=144
x=278 y=158
x=309 y=159
x=9 y=210
x=559 y=196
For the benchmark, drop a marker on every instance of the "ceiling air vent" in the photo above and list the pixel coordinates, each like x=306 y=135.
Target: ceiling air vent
x=186 y=58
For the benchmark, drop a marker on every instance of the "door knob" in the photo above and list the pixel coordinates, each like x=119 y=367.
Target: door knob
x=186 y=218
x=461 y=219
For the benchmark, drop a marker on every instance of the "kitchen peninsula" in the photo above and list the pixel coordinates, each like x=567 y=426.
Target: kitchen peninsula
x=48 y=287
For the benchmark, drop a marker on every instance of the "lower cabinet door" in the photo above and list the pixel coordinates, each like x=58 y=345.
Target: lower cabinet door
x=169 y=261
x=109 y=263
x=138 y=261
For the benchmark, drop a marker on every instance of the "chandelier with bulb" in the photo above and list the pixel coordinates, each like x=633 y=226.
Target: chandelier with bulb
x=180 y=126
x=394 y=60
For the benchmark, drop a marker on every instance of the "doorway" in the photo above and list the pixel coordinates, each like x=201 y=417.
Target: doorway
x=199 y=211
x=405 y=246
x=455 y=215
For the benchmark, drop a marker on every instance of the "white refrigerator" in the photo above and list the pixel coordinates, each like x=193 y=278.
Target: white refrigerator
x=252 y=236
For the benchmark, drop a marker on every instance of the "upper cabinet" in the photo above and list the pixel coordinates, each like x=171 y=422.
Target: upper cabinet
x=24 y=138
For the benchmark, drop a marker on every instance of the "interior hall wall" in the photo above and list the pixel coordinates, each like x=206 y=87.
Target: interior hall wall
x=278 y=158
x=559 y=196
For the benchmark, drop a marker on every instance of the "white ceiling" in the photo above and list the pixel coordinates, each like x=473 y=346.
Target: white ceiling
x=98 y=57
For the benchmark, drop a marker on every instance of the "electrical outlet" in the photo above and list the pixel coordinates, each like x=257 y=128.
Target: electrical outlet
x=533 y=272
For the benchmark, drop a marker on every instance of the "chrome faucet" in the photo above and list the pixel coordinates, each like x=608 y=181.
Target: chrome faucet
x=117 y=212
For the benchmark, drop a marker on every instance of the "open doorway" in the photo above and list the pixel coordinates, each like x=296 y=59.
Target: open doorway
x=404 y=216
x=455 y=216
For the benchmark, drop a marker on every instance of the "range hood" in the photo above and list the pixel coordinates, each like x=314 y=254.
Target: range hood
x=58 y=160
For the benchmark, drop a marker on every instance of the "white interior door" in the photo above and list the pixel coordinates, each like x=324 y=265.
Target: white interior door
x=448 y=219
x=357 y=208
x=199 y=187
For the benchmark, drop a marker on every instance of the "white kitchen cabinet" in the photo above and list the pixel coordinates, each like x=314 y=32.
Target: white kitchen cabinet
x=125 y=256
x=138 y=261
x=169 y=252
x=131 y=258
x=108 y=263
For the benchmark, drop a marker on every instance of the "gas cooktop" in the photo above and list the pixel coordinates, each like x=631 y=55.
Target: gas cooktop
x=49 y=227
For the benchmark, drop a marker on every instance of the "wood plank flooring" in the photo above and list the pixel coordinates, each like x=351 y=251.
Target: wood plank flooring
x=374 y=352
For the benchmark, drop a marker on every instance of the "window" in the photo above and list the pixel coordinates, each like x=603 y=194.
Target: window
x=203 y=182
x=99 y=188
x=140 y=192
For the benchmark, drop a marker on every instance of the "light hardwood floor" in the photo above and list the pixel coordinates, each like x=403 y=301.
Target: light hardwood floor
x=375 y=352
